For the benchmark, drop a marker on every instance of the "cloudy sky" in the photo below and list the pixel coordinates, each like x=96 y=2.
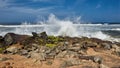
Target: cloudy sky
x=32 y=10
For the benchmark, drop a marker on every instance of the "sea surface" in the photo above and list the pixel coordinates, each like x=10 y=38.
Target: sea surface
x=101 y=31
x=57 y=27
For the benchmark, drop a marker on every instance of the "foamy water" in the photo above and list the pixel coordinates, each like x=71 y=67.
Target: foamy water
x=57 y=27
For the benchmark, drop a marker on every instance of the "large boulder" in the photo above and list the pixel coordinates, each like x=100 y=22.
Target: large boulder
x=1 y=41
x=11 y=38
x=41 y=35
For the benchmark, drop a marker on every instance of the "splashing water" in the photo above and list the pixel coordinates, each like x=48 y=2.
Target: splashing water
x=66 y=27
x=57 y=27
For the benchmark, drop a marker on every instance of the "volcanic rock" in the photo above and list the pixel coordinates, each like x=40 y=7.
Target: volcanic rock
x=11 y=38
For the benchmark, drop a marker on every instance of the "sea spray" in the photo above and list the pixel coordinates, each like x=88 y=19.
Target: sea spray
x=65 y=27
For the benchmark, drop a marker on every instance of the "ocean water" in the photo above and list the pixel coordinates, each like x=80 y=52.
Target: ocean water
x=57 y=27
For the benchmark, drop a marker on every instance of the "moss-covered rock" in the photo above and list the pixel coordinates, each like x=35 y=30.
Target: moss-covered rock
x=54 y=39
x=2 y=49
x=51 y=45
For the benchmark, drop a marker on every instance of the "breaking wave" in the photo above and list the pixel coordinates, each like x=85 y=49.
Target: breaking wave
x=65 y=27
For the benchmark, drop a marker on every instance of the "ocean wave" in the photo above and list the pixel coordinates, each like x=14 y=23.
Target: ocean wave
x=57 y=27
x=117 y=29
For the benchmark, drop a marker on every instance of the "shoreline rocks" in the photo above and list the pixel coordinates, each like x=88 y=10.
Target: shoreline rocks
x=43 y=47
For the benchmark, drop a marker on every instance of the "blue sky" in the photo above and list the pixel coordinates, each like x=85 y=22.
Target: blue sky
x=33 y=10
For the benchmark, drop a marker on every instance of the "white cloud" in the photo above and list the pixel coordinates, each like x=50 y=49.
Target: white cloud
x=31 y=10
x=98 y=6
x=4 y=3
x=27 y=10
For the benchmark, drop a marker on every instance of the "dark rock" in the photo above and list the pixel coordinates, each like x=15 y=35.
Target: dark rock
x=91 y=44
x=86 y=57
x=74 y=49
x=7 y=63
x=8 y=38
x=11 y=38
x=35 y=34
x=1 y=38
x=43 y=35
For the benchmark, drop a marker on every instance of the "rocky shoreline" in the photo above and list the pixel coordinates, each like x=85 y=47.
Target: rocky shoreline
x=45 y=51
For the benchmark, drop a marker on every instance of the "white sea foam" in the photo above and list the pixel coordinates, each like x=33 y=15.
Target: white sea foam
x=117 y=29
x=57 y=27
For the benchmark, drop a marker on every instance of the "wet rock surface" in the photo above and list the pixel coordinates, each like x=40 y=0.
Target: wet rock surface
x=70 y=51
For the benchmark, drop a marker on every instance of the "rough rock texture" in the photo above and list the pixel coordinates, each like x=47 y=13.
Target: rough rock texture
x=43 y=51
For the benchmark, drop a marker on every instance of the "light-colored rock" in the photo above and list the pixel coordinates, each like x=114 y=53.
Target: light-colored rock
x=97 y=59
x=38 y=56
x=70 y=62
x=103 y=66
x=61 y=54
x=12 y=49
x=74 y=49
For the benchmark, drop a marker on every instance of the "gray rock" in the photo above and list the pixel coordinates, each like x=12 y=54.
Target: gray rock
x=72 y=54
x=38 y=56
x=24 y=52
x=48 y=51
x=12 y=38
x=97 y=59
x=117 y=50
x=51 y=55
x=62 y=47
x=61 y=54
x=43 y=49
x=43 y=35
x=69 y=63
x=107 y=46
x=8 y=39
x=74 y=49
x=66 y=43
x=74 y=61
